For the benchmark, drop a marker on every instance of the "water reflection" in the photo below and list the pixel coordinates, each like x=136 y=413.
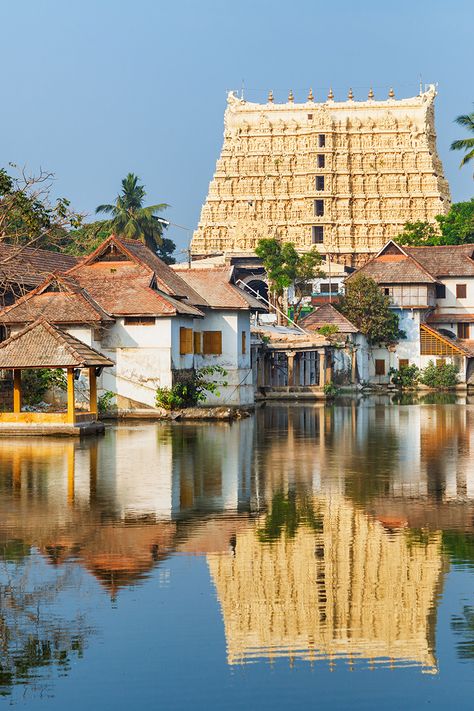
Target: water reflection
x=328 y=531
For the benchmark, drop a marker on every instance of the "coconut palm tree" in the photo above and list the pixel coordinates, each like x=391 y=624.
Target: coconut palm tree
x=465 y=144
x=131 y=219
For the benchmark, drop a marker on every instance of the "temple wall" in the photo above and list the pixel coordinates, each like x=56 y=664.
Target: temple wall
x=372 y=164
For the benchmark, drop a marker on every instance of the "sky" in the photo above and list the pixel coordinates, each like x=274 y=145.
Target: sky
x=94 y=89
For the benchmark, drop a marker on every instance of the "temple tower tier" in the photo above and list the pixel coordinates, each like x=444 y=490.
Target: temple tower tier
x=341 y=176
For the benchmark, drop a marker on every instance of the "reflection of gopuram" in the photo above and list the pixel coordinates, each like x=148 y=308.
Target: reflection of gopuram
x=341 y=586
x=342 y=175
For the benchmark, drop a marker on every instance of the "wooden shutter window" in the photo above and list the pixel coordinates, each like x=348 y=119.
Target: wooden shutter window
x=379 y=367
x=403 y=363
x=185 y=340
x=244 y=342
x=463 y=330
x=212 y=342
x=461 y=291
x=197 y=342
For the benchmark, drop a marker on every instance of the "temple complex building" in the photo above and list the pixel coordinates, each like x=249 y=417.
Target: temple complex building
x=343 y=176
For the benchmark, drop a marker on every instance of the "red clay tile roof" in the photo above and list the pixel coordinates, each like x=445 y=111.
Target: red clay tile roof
x=397 y=264
x=437 y=317
x=167 y=280
x=60 y=300
x=28 y=266
x=42 y=345
x=327 y=315
x=400 y=270
x=446 y=260
x=214 y=286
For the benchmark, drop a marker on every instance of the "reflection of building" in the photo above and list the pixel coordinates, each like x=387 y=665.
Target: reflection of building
x=349 y=588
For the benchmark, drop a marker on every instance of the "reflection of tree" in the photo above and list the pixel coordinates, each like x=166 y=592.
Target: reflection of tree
x=286 y=514
x=463 y=626
x=32 y=637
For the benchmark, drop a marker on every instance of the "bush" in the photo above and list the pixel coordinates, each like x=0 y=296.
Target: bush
x=328 y=330
x=36 y=382
x=439 y=376
x=331 y=390
x=104 y=401
x=406 y=377
x=191 y=389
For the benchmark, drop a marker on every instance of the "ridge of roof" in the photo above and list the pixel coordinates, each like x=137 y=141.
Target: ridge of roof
x=328 y=315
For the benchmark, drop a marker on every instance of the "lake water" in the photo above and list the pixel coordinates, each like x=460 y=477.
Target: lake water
x=308 y=556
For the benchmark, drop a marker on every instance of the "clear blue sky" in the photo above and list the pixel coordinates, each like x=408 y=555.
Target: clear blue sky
x=93 y=89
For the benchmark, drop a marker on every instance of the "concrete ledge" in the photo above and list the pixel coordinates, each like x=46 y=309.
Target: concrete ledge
x=190 y=413
x=304 y=392
x=55 y=429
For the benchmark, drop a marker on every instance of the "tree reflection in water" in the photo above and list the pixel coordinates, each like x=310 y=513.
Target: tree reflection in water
x=33 y=636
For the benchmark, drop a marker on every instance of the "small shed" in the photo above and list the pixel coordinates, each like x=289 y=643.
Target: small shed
x=42 y=345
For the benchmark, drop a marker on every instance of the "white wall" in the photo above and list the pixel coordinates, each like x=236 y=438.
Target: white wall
x=451 y=303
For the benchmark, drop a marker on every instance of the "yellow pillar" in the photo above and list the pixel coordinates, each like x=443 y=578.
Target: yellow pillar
x=70 y=396
x=322 y=368
x=17 y=391
x=92 y=391
x=291 y=362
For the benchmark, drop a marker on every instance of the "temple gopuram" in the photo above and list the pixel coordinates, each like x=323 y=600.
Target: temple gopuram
x=343 y=176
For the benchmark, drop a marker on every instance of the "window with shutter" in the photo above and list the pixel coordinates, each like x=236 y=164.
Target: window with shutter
x=461 y=290
x=197 y=342
x=379 y=367
x=185 y=340
x=212 y=342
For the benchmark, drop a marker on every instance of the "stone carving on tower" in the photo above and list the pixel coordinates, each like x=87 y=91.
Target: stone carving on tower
x=342 y=176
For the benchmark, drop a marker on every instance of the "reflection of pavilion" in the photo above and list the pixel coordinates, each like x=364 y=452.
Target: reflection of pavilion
x=349 y=588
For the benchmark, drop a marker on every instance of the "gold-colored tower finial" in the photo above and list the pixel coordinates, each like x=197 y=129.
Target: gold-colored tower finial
x=310 y=95
x=270 y=97
x=371 y=93
x=350 y=95
x=291 y=98
x=330 y=95
x=391 y=93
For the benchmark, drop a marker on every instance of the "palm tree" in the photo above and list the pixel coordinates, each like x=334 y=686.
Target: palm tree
x=131 y=219
x=465 y=144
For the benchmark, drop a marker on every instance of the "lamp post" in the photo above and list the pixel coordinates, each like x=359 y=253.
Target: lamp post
x=167 y=223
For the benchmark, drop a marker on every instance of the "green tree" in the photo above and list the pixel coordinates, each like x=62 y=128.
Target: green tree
x=368 y=309
x=457 y=227
x=418 y=233
x=130 y=218
x=286 y=267
x=465 y=144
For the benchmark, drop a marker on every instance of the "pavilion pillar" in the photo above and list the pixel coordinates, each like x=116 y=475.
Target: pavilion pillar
x=354 y=366
x=322 y=368
x=298 y=357
x=71 y=407
x=92 y=391
x=291 y=368
x=17 y=390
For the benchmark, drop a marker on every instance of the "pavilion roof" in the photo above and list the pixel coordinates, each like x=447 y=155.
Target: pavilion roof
x=42 y=345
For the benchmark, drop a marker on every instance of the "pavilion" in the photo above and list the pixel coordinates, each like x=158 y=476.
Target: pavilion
x=42 y=345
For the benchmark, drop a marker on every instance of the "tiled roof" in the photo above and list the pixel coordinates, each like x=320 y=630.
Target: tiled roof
x=389 y=269
x=446 y=260
x=215 y=287
x=28 y=266
x=281 y=337
x=42 y=345
x=327 y=315
x=437 y=317
x=68 y=303
x=124 y=288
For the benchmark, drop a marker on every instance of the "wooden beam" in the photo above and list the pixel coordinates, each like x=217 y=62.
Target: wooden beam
x=71 y=407
x=92 y=391
x=17 y=390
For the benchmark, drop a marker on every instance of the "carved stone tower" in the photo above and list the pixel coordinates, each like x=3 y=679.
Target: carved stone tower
x=343 y=176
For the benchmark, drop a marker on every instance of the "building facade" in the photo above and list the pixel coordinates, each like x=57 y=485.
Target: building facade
x=431 y=289
x=343 y=176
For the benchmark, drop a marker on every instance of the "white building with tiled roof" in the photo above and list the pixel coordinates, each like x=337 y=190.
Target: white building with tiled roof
x=432 y=291
x=155 y=323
